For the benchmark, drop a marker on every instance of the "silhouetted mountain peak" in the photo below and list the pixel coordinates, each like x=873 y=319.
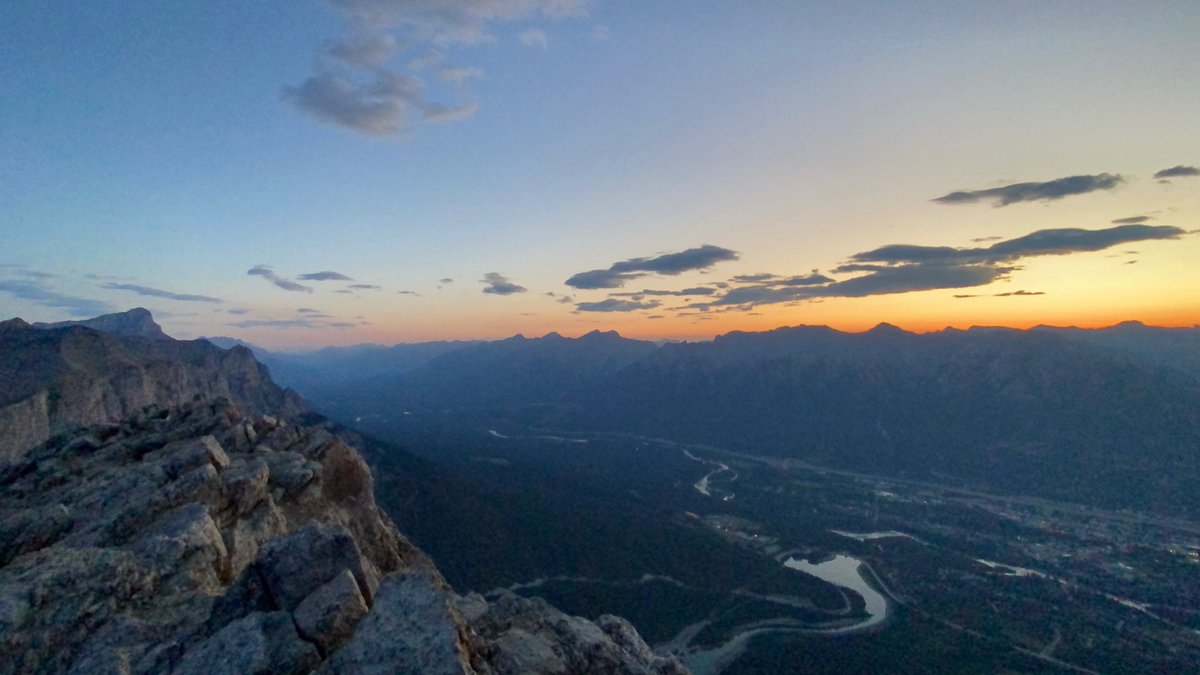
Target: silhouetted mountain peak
x=14 y=324
x=884 y=328
x=597 y=335
x=137 y=321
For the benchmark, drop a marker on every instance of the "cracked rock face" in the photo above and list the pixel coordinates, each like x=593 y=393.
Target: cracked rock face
x=56 y=377
x=197 y=539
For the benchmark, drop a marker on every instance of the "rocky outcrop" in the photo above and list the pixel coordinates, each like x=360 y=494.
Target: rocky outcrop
x=61 y=376
x=200 y=539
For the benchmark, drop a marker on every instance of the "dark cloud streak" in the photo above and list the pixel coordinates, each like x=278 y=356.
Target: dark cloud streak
x=1029 y=192
x=670 y=264
x=158 y=293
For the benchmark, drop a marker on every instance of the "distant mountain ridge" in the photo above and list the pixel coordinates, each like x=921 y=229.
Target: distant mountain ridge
x=1107 y=416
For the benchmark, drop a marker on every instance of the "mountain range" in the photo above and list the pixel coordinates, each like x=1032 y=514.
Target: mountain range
x=1108 y=417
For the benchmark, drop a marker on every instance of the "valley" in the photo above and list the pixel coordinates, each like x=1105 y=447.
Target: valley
x=815 y=560
x=804 y=499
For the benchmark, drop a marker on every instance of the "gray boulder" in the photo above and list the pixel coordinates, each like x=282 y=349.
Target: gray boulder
x=330 y=614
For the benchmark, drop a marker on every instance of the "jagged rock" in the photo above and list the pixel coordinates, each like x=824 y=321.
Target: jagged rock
x=243 y=539
x=413 y=628
x=185 y=456
x=330 y=614
x=186 y=549
x=165 y=544
x=527 y=635
x=290 y=472
x=57 y=377
x=297 y=564
x=247 y=485
x=260 y=644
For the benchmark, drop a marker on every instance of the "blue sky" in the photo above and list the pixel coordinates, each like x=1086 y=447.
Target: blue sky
x=177 y=147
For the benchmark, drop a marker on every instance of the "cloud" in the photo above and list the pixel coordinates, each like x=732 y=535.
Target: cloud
x=369 y=80
x=440 y=114
x=906 y=268
x=753 y=278
x=275 y=323
x=1043 y=242
x=445 y=280
x=335 y=100
x=1009 y=294
x=671 y=264
x=458 y=73
x=39 y=294
x=533 y=37
x=1180 y=171
x=813 y=279
x=308 y=322
x=325 y=276
x=408 y=293
x=366 y=287
x=1132 y=220
x=267 y=273
x=614 y=305
x=239 y=311
x=1029 y=192
x=698 y=290
x=980 y=240
x=156 y=293
x=498 y=284
x=364 y=50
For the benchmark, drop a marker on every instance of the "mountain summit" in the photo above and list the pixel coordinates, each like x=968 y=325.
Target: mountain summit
x=135 y=322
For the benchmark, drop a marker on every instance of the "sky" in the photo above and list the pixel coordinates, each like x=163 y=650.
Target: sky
x=302 y=173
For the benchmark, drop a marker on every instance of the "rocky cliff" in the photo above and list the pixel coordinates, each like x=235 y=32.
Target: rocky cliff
x=56 y=377
x=200 y=539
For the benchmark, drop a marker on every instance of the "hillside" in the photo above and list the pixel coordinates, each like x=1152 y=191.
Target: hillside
x=195 y=534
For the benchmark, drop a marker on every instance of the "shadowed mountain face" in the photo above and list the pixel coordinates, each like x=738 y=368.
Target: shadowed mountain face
x=1095 y=416
x=62 y=376
x=192 y=536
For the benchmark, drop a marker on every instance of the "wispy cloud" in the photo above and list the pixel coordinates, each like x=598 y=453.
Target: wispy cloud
x=498 y=284
x=533 y=37
x=158 y=293
x=365 y=287
x=1030 y=192
x=671 y=264
x=1131 y=220
x=614 y=305
x=371 y=79
x=310 y=322
x=1009 y=294
x=458 y=73
x=697 y=290
x=39 y=294
x=327 y=275
x=269 y=274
